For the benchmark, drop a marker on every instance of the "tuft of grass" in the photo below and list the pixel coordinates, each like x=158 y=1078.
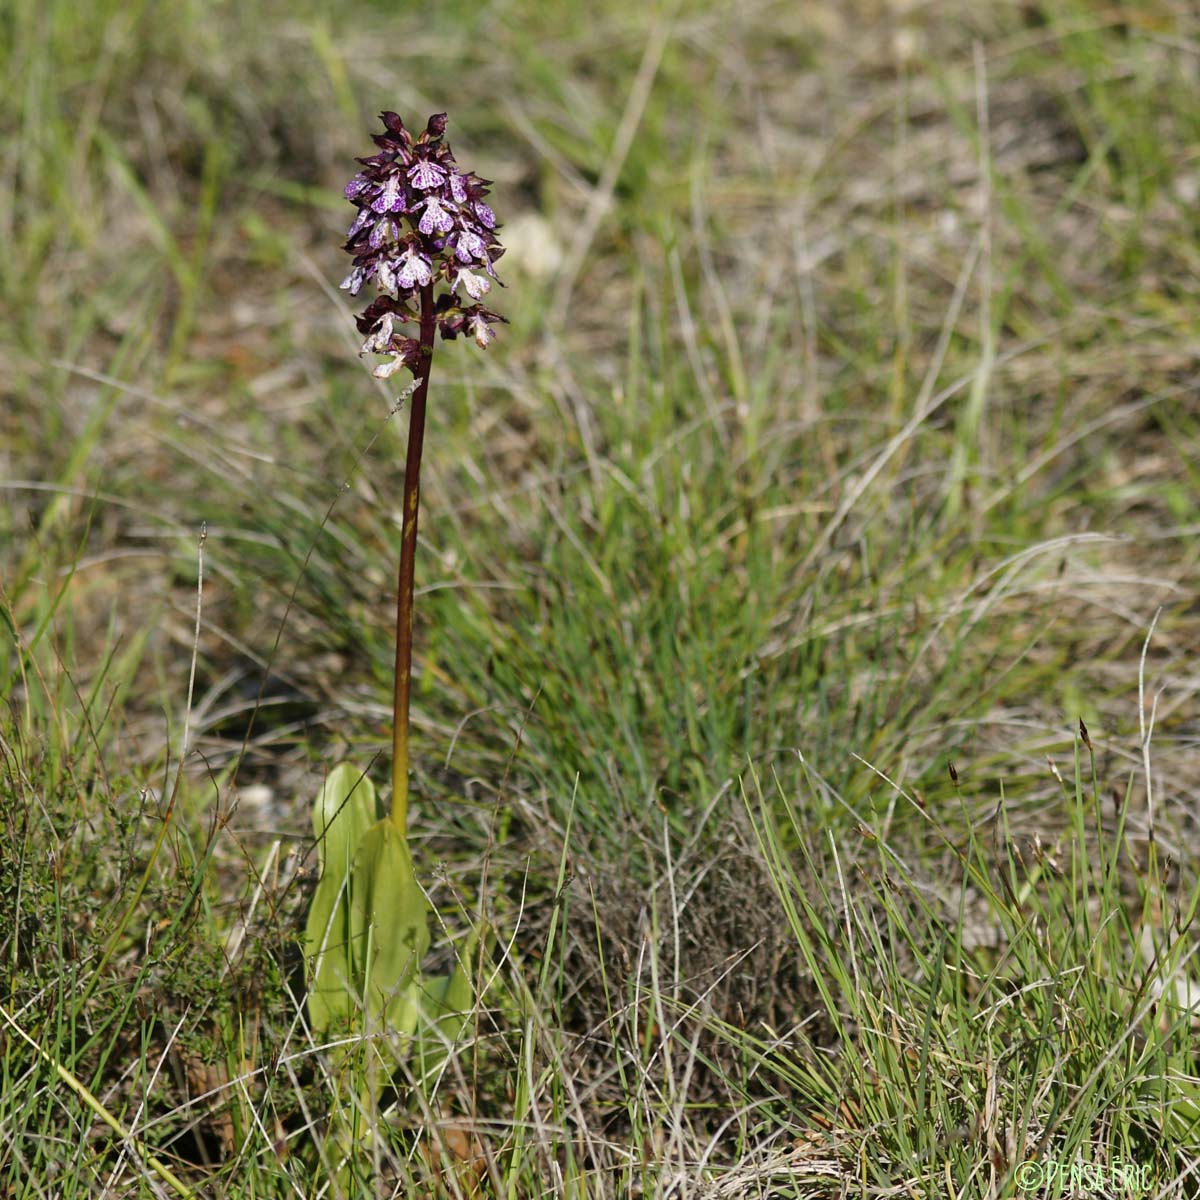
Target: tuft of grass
x=1034 y=1007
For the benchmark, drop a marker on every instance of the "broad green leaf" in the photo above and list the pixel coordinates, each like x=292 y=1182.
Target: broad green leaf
x=446 y=1004
x=389 y=931
x=344 y=811
x=449 y=999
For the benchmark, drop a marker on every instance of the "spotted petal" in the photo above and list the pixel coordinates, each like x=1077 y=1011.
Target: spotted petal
x=475 y=285
x=384 y=231
x=415 y=270
x=389 y=199
x=426 y=175
x=481 y=330
x=381 y=339
x=470 y=246
x=389 y=368
x=437 y=217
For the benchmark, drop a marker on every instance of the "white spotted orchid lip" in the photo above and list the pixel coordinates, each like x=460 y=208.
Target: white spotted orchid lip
x=384 y=231
x=364 y=218
x=470 y=246
x=390 y=198
x=415 y=270
x=426 y=175
x=388 y=369
x=475 y=285
x=437 y=217
x=481 y=330
x=354 y=281
x=381 y=340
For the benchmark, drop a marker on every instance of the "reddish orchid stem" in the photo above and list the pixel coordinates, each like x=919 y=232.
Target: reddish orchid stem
x=408 y=554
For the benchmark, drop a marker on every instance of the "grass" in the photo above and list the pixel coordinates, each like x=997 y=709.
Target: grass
x=839 y=459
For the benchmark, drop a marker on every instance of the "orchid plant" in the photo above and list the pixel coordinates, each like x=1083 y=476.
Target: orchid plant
x=425 y=239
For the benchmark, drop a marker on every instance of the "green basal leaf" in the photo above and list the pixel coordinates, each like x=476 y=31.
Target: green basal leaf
x=451 y=998
x=446 y=1004
x=368 y=930
x=389 y=931
x=344 y=812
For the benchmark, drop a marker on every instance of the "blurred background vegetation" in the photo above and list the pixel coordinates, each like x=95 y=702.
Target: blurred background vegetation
x=845 y=428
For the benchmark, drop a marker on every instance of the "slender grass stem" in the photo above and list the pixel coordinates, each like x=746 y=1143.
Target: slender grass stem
x=408 y=553
x=78 y=1087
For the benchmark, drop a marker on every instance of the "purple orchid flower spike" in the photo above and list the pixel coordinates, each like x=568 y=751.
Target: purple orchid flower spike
x=420 y=221
x=422 y=226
